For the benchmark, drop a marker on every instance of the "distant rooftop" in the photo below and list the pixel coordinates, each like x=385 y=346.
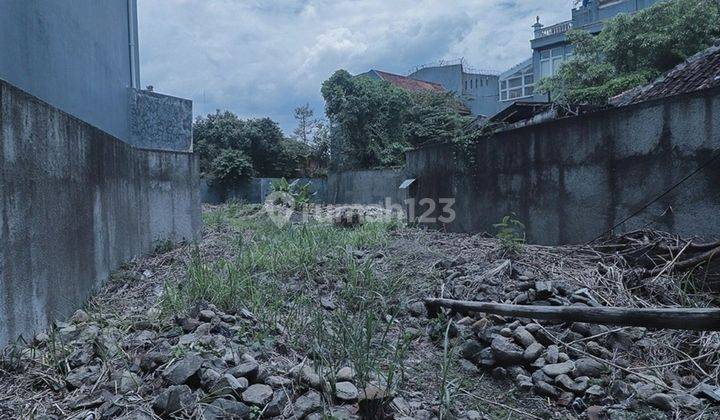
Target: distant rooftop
x=408 y=83
x=701 y=71
x=456 y=62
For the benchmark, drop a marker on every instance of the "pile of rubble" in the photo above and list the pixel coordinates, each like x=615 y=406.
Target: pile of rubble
x=586 y=367
x=191 y=368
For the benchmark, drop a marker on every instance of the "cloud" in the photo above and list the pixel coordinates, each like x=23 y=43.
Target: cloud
x=264 y=58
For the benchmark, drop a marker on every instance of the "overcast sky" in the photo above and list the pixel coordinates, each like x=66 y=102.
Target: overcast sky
x=265 y=57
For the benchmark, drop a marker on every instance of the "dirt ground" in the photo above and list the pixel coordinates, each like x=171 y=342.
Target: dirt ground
x=332 y=322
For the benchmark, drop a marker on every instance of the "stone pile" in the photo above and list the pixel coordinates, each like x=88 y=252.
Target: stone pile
x=191 y=368
x=581 y=366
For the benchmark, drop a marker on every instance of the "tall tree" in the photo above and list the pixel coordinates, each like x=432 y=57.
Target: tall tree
x=305 y=123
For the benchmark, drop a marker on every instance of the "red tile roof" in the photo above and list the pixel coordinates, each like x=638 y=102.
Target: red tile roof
x=701 y=71
x=410 y=84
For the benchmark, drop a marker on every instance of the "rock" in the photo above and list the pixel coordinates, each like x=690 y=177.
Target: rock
x=507 y=352
x=563 y=357
x=417 y=309
x=346 y=391
x=565 y=399
x=275 y=381
x=345 y=374
x=183 y=370
x=553 y=352
x=151 y=360
x=248 y=370
x=126 y=382
x=524 y=382
x=209 y=377
x=499 y=373
x=80 y=317
x=662 y=401
x=586 y=366
x=487 y=358
x=276 y=407
x=595 y=391
x=305 y=374
x=533 y=351
x=620 y=390
x=540 y=376
x=546 y=390
x=306 y=404
x=523 y=337
x=223 y=408
x=257 y=394
x=559 y=368
x=327 y=303
x=90 y=401
x=577 y=386
x=689 y=402
x=229 y=385
x=189 y=324
x=81 y=356
x=596 y=412
x=206 y=315
x=82 y=375
x=543 y=289
x=173 y=399
x=538 y=363
x=471 y=350
x=644 y=390
x=710 y=392
x=596 y=349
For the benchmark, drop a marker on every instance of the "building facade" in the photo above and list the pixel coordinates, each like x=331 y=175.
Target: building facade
x=485 y=93
x=82 y=57
x=550 y=44
x=477 y=90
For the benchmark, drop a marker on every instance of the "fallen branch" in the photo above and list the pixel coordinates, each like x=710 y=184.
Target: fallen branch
x=697 y=319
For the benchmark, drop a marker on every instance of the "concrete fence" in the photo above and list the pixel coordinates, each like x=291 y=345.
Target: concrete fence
x=367 y=186
x=573 y=179
x=75 y=203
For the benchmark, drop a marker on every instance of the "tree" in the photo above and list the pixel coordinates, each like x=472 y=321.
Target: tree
x=231 y=148
x=374 y=122
x=632 y=50
x=306 y=123
x=230 y=167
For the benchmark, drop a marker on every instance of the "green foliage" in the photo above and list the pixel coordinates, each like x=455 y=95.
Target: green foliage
x=227 y=144
x=633 y=50
x=300 y=193
x=374 y=122
x=511 y=233
x=230 y=166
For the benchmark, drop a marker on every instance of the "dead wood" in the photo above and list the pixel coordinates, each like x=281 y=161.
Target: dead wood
x=696 y=319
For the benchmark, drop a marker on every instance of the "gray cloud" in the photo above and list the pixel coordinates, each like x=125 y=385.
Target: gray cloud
x=264 y=58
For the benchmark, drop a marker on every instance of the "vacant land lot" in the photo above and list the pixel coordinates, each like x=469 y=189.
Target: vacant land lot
x=313 y=320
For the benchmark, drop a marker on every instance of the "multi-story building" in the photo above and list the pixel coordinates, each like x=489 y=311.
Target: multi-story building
x=486 y=93
x=551 y=48
x=478 y=90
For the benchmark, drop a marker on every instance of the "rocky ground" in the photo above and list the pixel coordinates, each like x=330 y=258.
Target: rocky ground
x=313 y=321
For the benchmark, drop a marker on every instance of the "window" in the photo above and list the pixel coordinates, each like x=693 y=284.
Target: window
x=518 y=85
x=551 y=60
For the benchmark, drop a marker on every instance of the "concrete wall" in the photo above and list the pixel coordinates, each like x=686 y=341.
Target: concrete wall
x=571 y=180
x=159 y=121
x=366 y=186
x=75 y=55
x=75 y=202
x=255 y=190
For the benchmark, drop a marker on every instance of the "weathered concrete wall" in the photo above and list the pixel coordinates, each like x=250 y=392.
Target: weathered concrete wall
x=366 y=186
x=571 y=180
x=159 y=121
x=74 y=203
x=255 y=190
x=75 y=55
